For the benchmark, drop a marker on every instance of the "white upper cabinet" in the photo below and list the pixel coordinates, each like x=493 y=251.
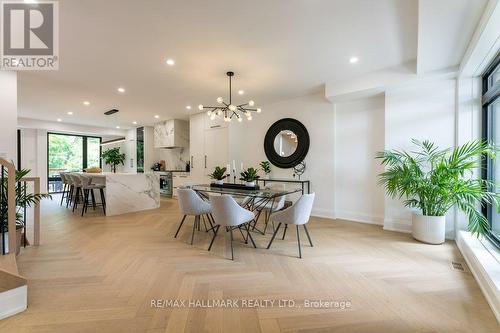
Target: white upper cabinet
x=171 y=134
x=218 y=122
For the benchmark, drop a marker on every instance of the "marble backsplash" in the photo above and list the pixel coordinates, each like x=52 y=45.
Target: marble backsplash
x=175 y=159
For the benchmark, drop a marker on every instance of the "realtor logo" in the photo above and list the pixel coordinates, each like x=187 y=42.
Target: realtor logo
x=29 y=35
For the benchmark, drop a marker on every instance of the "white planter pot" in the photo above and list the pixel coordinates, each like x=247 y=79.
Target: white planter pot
x=251 y=184
x=428 y=229
x=19 y=236
x=219 y=182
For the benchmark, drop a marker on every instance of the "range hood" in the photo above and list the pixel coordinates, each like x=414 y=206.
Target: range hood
x=171 y=134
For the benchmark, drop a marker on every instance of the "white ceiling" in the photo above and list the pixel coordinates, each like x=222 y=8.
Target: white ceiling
x=279 y=49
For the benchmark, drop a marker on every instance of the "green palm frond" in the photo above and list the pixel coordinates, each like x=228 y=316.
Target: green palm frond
x=434 y=180
x=23 y=198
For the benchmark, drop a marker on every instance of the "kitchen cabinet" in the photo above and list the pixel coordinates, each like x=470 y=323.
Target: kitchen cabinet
x=209 y=147
x=180 y=179
x=216 y=148
x=218 y=122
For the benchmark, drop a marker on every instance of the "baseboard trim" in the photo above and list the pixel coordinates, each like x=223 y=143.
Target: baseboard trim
x=484 y=268
x=359 y=217
x=323 y=213
x=399 y=225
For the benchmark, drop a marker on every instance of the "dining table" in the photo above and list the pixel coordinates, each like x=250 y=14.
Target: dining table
x=255 y=200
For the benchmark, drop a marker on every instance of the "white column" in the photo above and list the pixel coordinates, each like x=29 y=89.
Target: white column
x=8 y=115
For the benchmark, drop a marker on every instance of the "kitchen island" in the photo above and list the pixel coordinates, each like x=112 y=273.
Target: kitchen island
x=130 y=192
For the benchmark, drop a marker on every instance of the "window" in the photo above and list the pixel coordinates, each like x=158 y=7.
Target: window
x=140 y=149
x=66 y=153
x=491 y=132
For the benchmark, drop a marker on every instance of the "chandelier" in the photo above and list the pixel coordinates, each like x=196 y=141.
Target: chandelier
x=230 y=110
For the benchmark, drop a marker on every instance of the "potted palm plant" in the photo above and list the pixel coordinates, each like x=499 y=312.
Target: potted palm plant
x=218 y=175
x=113 y=157
x=433 y=180
x=23 y=198
x=249 y=176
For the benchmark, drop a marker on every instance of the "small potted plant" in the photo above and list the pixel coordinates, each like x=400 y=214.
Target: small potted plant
x=249 y=176
x=266 y=167
x=432 y=181
x=219 y=175
x=113 y=157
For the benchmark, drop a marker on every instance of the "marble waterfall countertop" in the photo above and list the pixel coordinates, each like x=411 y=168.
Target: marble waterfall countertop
x=130 y=192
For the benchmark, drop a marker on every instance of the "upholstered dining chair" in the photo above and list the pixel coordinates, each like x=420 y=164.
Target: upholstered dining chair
x=229 y=214
x=298 y=215
x=273 y=205
x=191 y=204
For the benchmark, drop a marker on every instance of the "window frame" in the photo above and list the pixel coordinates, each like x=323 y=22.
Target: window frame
x=84 y=153
x=490 y=94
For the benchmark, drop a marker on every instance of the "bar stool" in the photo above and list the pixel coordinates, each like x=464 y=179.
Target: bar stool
x=69 y=195
x=77 y=190
x=88 y=187
x=66 y=187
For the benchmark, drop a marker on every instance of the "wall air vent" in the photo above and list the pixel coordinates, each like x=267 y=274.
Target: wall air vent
x=110 y=112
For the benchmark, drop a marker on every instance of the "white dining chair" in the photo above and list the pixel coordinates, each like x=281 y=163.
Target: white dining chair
x=227 y=213
x=298 y=215
x=273 y=205
x=191 y=204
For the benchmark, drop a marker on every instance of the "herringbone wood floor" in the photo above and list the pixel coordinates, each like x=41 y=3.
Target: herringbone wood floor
x=97 y=274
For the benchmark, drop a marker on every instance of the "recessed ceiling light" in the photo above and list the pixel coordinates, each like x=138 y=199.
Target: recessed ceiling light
x=70 y=113
x=117 y=126
x=121 y=90
x=157 y=116
x=86 y=103
x=134 y=122
x=241 y=92
x=188 y=107
x=59 y=119
x=170 y=62
x=353 y=60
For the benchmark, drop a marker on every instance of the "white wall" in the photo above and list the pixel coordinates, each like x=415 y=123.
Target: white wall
x=424 y=110
x=8 y=115
x=246 y=142
x=34 y=154
x=359 y=134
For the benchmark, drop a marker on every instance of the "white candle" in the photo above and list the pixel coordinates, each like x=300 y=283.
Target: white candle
x=241 y=166
x=228 y=167
x=234 y=165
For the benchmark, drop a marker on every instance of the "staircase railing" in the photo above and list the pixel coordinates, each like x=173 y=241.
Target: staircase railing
x=6 y=169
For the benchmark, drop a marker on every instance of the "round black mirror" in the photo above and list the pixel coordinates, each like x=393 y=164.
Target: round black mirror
x=286 y=143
